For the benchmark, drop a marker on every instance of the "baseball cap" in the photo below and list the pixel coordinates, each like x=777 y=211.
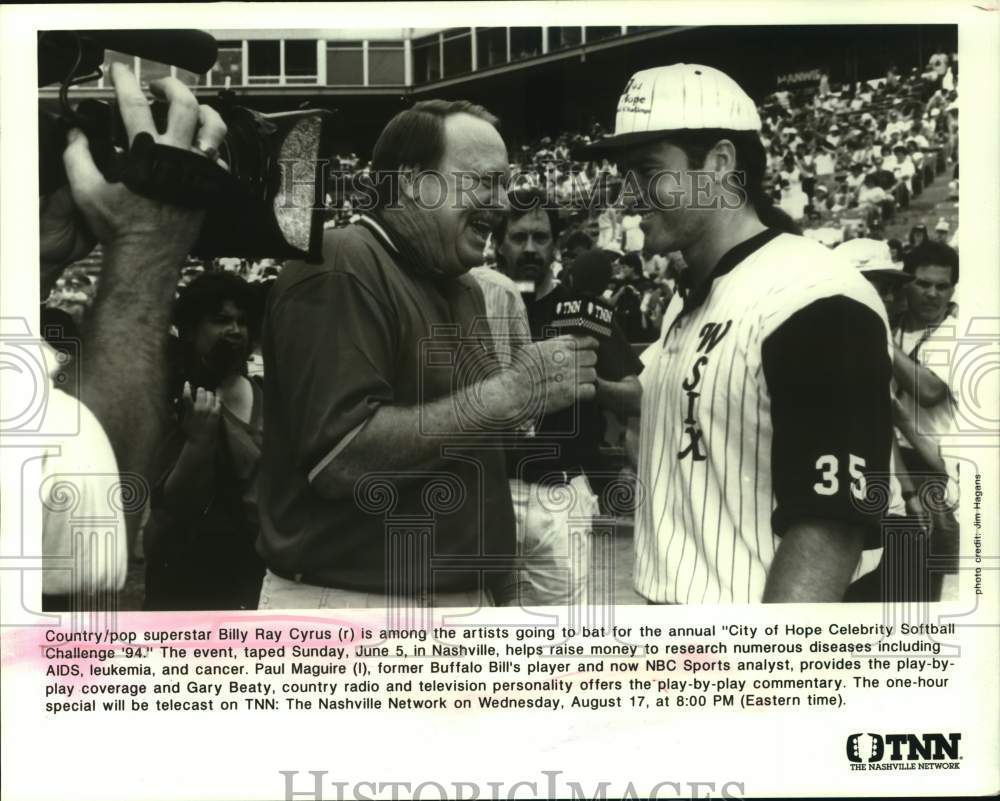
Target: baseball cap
x=942 y=225
x=678 y=97
x=871 y=257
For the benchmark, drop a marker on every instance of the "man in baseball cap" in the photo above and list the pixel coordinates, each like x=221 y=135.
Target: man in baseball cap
x=873 y=260
x=767 y=403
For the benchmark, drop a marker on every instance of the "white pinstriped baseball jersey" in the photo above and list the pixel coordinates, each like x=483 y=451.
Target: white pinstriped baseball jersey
x=704 y=529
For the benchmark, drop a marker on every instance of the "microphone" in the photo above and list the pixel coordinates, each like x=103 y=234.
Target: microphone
x=585 y=315
x=82 y=52
x=192 y=50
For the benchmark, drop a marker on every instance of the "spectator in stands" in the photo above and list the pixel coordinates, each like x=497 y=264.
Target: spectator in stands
x=833 y=137
x=633 y=236
x=917 y=236
x=609 y=225
x=925 y=401
x=199 y=542
x=627 y=293
x=938 y=65
x=901 y=166
x=879 y=192
x=874 y=260
x=942 y=231
x=924 y=392
x=824 y=163
x=793 y=200
x=789 y=169
x=855 y=180
x=654 y=265
x=576 y=245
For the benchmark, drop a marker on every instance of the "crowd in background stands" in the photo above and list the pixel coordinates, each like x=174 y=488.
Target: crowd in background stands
x=844 y=161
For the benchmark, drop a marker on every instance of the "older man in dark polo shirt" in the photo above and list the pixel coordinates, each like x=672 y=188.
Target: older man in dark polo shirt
x=381 y=482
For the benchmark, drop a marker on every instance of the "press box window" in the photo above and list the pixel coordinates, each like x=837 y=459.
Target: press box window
x=457 y=52
x=491 y=47
x=228 y=69
x=561 y=38
x=525 y=43
x=300 y=61
x=345 y=65
x=264 y=62
x=426 y=59
x=386 y=64
x=606 y=32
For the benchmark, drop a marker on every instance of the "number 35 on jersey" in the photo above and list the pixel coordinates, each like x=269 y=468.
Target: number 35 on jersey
x=829 y=469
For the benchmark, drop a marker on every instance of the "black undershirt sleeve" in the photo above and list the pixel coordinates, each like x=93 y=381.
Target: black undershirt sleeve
x=827 y=370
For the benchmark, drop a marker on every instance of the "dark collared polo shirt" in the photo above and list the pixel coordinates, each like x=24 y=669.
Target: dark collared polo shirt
x=371 y=327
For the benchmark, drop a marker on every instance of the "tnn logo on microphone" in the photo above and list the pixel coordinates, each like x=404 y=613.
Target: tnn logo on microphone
x=869 y=748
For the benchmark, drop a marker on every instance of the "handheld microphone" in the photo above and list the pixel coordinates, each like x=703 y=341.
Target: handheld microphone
x=585 y=315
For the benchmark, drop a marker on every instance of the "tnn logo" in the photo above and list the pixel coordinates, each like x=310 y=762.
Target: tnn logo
x=872 y=747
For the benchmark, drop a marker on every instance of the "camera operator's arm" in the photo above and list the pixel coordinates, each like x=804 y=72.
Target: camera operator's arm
x=145 y=242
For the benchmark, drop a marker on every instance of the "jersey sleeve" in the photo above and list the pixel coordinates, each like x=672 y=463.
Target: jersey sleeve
x=828 y=375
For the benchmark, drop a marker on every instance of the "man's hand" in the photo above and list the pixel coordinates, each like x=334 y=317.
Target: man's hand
x=544 y=377
x=623 y=398
x=63 y=235
x=558 y=372
x=112 y=212
x=200 y=415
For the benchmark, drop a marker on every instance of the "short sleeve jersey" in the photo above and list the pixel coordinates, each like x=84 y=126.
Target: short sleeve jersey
x=768 y=403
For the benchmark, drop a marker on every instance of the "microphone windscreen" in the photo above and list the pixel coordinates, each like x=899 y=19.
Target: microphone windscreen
x=583 y=314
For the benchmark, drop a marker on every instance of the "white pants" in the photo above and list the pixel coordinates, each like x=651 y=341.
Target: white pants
x=554 y=524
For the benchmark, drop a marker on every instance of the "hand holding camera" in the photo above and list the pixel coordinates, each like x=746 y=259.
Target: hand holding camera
x=112 y=212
